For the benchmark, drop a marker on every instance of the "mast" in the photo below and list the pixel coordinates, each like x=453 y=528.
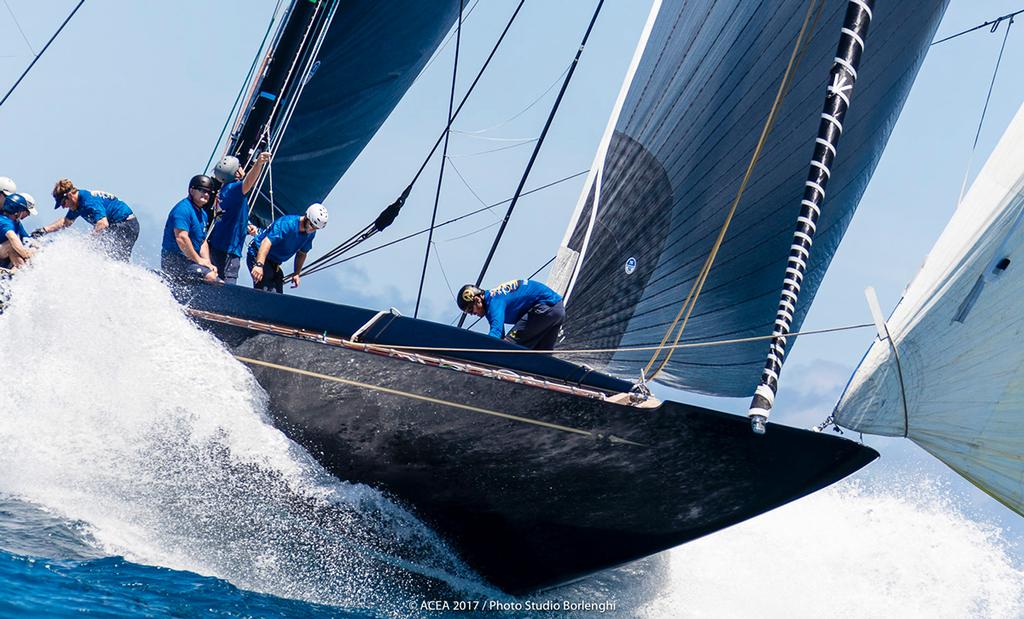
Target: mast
x=299 y=30
x=837 y=102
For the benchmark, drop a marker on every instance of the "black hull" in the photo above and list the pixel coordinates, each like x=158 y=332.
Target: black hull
x=528 y=506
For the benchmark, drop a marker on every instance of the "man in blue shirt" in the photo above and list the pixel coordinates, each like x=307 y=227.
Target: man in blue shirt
x=227 y=235
x=110 y=217
x=13 y=252
x=290 y=235
x=535 y=311
x=184 y=253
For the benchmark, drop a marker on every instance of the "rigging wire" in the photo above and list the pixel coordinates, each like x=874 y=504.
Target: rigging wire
x=984 y=109
x=537 y=147
x=468 y=186
x=444 y=159
x=447 y=39
x=994 y=23
x=494 y=150
x=388 y=215
x=42 y=51
x=440 y=265
x=691 y=298
x=20 y=29
x=622 y=349
x=339 y=260
x=517 y=114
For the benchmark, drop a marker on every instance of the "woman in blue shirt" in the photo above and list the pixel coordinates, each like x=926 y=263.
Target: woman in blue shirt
x=109 y=216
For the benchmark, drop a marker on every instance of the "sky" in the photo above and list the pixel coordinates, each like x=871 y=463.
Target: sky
x=132 y=96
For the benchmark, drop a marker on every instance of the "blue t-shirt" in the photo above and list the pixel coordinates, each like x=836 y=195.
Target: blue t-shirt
x=184 y=216
x=507 y=303
x=285 y=239
x=95 y=205
x=11 y=225
x=229 y=230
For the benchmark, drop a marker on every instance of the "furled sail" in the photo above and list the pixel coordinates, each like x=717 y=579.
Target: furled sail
x=673 y=158
x=958 y=332
x=344 y=66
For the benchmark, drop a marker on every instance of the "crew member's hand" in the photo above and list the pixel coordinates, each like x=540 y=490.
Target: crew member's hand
x=38 y=232
x=257 y=274
x=295 y=280
x=263 y=157
x=252 y=230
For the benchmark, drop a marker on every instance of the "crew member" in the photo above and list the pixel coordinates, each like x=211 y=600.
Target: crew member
x=227 y=237
x=13 y=251
x=535 y=310
x=110 y=217
x=290 y=235
x=7 y=187
x=184 y=253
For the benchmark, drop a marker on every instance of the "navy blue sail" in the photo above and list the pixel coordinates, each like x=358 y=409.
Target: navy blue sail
x=334 y=74
x=672 y=162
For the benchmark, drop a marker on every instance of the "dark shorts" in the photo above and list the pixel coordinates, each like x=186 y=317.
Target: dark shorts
x=273 y=276
x=538 y=328
x=180 y=268
x=120 y=238
x=227 y=264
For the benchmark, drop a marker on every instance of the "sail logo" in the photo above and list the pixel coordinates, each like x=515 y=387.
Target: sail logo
x=630 y=265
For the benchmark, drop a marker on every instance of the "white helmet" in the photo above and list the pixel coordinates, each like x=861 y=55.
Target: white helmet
x=31 y=203
x=225 y=170
x=7 y=186
x=316 y=214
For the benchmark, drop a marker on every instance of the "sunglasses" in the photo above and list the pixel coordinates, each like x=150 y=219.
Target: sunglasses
x=202 y=190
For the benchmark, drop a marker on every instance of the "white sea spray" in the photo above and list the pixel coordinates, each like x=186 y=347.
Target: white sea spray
x=117 y=412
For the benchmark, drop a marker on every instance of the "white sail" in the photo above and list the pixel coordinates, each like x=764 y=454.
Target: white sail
x=959 y=337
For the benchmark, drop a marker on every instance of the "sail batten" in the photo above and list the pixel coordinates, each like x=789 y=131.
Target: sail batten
x=680 y=146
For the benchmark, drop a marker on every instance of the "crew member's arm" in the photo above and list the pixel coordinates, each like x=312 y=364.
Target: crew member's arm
x=496 y=316
x=261 y=257
x=23 y=252
x=300 y=259
x=254 y=172
x=100 y=226
x=185 y=245
x=63 y=222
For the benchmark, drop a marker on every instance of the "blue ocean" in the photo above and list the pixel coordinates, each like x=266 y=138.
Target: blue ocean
x=140 y=476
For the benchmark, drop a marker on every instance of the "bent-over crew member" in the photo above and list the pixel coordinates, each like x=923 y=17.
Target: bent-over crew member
x=535 y=311
x=111 y=217
x=290 y=235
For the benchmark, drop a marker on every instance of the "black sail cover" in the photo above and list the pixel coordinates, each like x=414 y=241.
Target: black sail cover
x=370 y=56
x=690 y=119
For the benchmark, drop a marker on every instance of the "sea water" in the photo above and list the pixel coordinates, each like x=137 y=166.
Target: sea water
x=139 y=474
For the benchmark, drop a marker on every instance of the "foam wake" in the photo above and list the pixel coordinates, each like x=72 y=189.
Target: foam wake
x=117 y=412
